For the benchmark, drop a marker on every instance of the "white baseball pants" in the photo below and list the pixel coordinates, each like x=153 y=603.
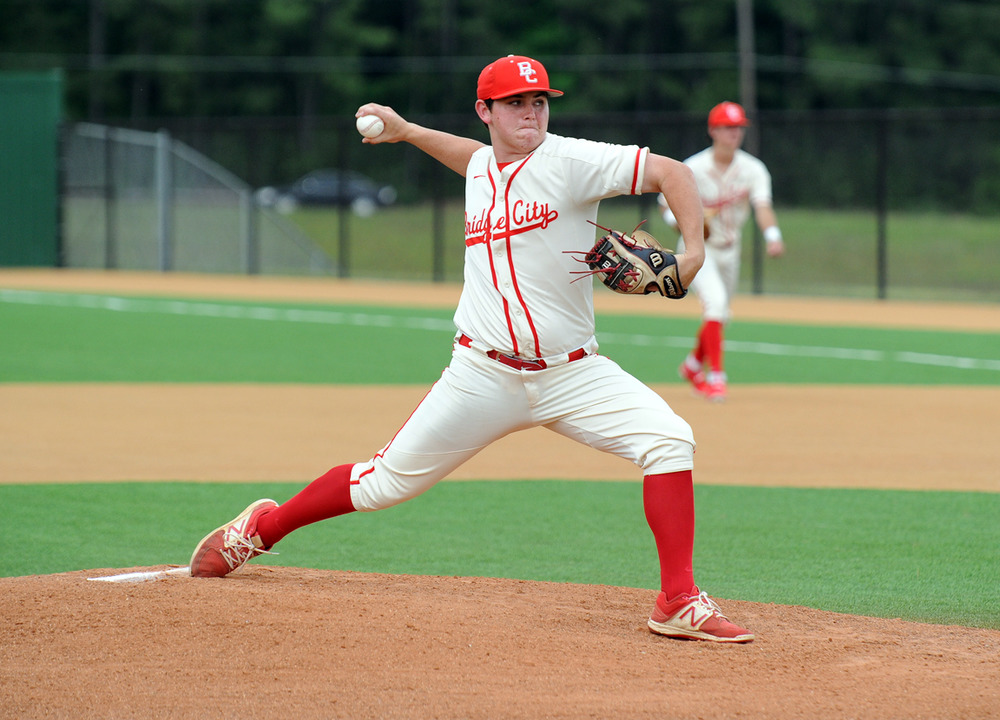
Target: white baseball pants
x=716 y=282
x=478 y=400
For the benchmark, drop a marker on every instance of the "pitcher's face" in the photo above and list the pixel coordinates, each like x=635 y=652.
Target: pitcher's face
x=517 y=124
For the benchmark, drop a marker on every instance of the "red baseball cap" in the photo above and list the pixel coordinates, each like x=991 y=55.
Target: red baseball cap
x=727 y=114
x=513 y=75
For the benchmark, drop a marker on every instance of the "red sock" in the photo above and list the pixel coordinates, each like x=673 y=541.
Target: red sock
x=710 y=345
x=699 y=348
x=325 y=497
x=668 y=500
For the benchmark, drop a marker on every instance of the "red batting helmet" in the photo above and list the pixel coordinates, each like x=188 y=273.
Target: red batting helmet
x=727 y=114
x=513 y=75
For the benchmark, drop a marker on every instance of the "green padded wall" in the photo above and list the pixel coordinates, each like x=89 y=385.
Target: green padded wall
x=30 y=113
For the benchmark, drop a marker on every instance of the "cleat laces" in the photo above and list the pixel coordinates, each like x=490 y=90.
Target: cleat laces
x=237 y=549
x=711 y=605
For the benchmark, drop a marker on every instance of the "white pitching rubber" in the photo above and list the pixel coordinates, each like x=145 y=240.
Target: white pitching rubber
x=144 y=576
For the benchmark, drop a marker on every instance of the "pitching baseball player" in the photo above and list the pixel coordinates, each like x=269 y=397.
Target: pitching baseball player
x=525 y=353
x=730 y=182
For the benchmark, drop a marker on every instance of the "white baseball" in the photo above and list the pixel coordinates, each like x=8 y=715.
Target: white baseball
x=371 y=126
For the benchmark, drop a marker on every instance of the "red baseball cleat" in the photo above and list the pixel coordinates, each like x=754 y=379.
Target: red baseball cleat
x=715 y=389
x=695 y=617
x=696 y=377
x=229 y=547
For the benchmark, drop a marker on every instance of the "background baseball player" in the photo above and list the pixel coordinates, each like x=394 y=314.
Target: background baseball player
x=525 y=353
x=730 y=182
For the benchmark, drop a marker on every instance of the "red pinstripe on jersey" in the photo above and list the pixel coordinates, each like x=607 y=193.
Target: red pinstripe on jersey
x=635 y=174
x=488 y=238
x=510 y=264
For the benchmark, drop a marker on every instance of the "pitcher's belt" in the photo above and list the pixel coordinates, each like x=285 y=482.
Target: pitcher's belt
x=521 y=363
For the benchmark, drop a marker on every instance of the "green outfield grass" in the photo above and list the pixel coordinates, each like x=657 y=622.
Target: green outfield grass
x=84 y=338
x=830 y=252
x=928 y=556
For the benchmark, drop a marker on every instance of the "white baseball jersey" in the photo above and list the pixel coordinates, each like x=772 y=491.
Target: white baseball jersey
x=519 y=300
x=727 y=197
x=745 y=183
x=520 y=223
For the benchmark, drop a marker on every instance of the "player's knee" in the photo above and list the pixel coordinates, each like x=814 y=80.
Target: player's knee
x=717 y=310
x=670 y=454
x=377 y=486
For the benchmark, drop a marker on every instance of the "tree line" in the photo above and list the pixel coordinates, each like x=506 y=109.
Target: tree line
x=126 y=60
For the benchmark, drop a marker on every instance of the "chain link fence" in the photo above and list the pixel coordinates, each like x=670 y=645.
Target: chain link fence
x=136 y=200
x=873 y=203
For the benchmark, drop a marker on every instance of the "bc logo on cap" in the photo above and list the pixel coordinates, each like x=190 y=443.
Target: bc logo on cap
x=527 y=72
x=511 y=76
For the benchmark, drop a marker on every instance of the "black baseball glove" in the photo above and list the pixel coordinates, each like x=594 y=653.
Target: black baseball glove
x=634 y=264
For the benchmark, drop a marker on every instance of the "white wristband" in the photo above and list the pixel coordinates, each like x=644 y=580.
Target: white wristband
x=772 y=234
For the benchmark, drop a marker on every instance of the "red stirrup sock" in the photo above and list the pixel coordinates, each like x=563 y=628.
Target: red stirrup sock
x=668 y=500
x=325 y=497
x=711 y=345
x=699 y=347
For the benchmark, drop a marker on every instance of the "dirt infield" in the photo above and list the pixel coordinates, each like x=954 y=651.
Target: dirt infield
x=290 y=643
x=812 y=436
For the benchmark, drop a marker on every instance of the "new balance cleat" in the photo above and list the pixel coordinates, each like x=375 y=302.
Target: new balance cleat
x=229 y=547
x=695 y=617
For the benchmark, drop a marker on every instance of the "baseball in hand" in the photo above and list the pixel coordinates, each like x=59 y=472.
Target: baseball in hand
x=371 y=126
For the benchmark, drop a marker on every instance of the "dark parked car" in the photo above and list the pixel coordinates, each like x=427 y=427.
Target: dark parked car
x=329 y=187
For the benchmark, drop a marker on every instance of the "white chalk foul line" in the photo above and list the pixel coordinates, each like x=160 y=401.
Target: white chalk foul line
x=361 y=319
x=192 y=308
x=144 y=576
x=812 y=351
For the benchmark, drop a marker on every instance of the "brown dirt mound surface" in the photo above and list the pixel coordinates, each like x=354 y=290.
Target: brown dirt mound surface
x=273 y=642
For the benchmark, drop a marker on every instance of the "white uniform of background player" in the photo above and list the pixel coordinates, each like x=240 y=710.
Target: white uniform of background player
x=730 y=182
x=525 y=352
